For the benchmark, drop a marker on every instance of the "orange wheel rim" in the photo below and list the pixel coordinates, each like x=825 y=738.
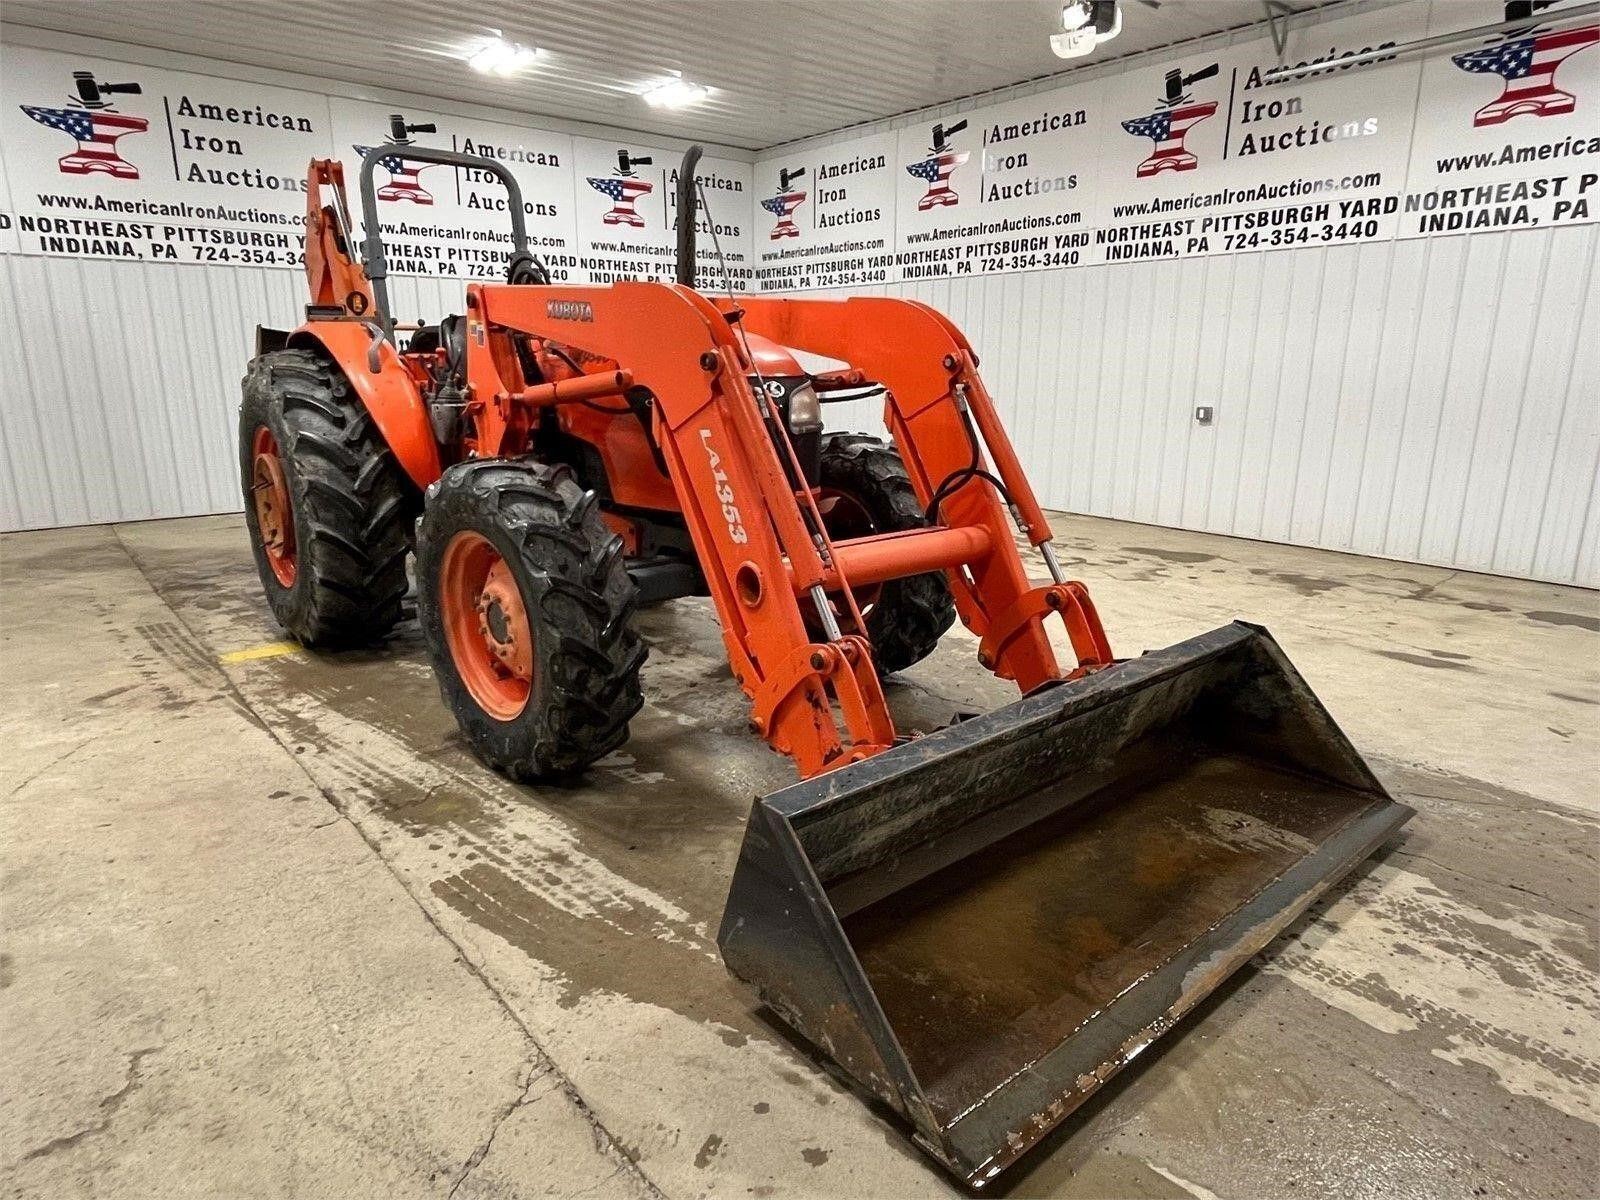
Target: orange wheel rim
x=486 y=625
x=274 y=512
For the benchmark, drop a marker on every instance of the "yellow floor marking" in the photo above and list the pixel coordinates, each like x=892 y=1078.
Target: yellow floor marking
x=269 y=650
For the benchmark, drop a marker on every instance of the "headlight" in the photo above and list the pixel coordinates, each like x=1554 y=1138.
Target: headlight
x=805 y=410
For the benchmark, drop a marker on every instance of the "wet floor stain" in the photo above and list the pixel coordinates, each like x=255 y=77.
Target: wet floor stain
x=1177 y=556
x=708 y=1150
x=102 y=697
x=814 y=1156
x=1568 y=696
x=1306 y=585
x=1422 y=660
x=1577 y=620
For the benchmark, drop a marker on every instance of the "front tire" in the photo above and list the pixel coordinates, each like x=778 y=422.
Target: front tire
x=865 y=490
x=526 y=605
x=326 y=504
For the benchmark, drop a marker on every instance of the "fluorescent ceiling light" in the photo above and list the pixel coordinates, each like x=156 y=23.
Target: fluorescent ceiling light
x=496 y=56
x=675 y=92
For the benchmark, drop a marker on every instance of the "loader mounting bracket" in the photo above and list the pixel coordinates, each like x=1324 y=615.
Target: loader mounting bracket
x=1077 y=611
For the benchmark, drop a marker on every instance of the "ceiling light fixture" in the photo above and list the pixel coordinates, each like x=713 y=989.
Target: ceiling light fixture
x=674 y=92
x=1084 y=25
x=497 y=56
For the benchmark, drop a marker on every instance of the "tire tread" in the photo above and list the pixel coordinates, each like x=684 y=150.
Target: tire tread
x=913 y=613
x=588 y=654
x=353 y=503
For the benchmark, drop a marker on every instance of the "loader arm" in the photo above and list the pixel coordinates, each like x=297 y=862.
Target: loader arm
x=742 y=512
x=943 y=420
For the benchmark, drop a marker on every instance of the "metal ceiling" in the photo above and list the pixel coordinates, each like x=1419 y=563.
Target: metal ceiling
x=783 y=69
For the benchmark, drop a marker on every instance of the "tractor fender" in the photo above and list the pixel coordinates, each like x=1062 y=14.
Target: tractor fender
x=389 y=393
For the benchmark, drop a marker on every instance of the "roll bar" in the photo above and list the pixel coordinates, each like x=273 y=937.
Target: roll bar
x=377 y=266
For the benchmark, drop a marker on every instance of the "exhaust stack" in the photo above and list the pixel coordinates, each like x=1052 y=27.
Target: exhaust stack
x=687 y=204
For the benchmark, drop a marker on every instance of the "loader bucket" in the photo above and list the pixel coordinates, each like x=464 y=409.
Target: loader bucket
x=982 y=926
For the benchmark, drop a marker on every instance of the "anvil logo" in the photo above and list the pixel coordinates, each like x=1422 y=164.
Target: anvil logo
x=1527 y=62
x=784 y=203
x=624 y=187
x=403 y=182
x=1167 y=127
x=95 y=125
x=935 y=170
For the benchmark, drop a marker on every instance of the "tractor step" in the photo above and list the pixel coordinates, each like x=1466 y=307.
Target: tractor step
x=665 y=578
x=982 y=926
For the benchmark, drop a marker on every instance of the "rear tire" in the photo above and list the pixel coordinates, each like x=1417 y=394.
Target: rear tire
x=907 y=617
x=526 y=605
x=327 y=506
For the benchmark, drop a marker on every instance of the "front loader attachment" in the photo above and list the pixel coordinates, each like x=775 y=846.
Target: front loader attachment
x=982 y=926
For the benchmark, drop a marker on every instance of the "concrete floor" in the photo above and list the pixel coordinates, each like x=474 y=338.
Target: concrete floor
x=269 y=929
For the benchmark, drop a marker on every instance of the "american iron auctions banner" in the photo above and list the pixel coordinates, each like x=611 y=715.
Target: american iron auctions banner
x=107 y=160
x=1225 y=158
x=1512 y=139
x=1207 y=153
x=1188 y=153
x=1006 y=188
x=825 y=218
x=627 y=215
x=438 y=220
x=111 y=160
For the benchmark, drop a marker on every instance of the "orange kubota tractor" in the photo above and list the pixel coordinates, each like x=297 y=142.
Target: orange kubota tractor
x=978 y=926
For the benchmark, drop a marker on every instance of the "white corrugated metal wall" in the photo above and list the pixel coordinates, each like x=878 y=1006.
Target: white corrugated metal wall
x=123 y=387
x=1454 y=420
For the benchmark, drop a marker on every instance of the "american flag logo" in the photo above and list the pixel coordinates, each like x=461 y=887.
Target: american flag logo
x=782 y=206
x=1528 y=66
x=1167 y=129
x=935 y=171
x=403 y=182
x=623 y=190
x=96 y=133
